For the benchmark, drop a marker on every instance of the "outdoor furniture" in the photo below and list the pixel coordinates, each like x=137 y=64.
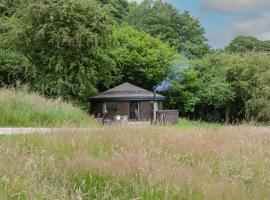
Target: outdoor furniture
x=107 y=121
x=124 y=119
x=117 y=117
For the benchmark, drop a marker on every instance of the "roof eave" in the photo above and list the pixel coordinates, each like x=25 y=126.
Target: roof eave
x=108 y=99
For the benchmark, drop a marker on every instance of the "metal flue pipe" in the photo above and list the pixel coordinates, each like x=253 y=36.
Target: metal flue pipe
x=154 y=106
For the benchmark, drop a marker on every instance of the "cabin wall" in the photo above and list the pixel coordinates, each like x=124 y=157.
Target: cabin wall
x=145 y=110
x=97 y=109
x=123 y=108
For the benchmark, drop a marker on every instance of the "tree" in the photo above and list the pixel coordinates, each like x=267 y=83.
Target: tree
x=243 y=44
x=161 y=19
x=199 y=91
x=118 y=8
x=69 y=43
x=144 y=60
x=245 y=84
x=184 y=94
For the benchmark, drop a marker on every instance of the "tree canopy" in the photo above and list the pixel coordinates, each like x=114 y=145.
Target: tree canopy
x=224 y=87
x=180 y=30
x=68 y=42
x=144 y=60
x=75 y=48
x=243 y=44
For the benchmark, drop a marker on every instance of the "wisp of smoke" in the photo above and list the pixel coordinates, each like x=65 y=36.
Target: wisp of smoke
x=163 y=85
x=175 y=74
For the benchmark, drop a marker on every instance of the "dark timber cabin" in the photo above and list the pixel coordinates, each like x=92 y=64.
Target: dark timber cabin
x=126 y=100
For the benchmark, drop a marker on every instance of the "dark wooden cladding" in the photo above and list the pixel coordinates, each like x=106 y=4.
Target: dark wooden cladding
x=123 y=108
x=167 y=117
x=145 y=110
x=96 y=109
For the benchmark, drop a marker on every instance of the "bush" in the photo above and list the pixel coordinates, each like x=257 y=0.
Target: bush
x=14 y=68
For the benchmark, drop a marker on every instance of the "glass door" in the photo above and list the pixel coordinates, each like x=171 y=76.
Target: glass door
x=135 y=110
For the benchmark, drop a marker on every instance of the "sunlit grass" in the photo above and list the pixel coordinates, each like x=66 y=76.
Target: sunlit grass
x=138 y=163
x=185 y=124
x=21 y=109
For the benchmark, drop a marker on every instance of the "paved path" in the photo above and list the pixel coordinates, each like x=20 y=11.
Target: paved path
x=11 y=131
x=14 y=131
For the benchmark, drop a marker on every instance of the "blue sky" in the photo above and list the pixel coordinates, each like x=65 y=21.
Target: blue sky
x=225 y=19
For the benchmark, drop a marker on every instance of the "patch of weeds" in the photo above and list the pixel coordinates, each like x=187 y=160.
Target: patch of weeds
x=187 y=124
x=97 y=186
x=189 y=159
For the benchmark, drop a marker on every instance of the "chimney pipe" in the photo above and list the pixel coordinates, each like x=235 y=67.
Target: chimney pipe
x=154 y=106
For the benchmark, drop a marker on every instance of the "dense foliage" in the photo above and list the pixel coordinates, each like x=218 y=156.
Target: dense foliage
x=15 y=69
x=144 y=60
x=68 y=43
x=225 y=87
x=75 y=48
x=248 y=43
x=118 y=8
x=8 y=7
x=180 y=30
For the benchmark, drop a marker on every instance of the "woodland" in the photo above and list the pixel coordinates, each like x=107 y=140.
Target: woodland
x=73 y=49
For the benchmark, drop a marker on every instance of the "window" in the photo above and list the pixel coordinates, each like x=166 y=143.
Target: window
x=110 y=107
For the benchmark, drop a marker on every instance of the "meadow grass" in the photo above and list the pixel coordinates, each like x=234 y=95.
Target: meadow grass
x=186 y=123
x=22 y=109
x=138 y=163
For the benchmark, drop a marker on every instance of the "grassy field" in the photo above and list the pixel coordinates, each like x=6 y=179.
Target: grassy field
x=138 y=163
x=21 y=109
x=186 y=124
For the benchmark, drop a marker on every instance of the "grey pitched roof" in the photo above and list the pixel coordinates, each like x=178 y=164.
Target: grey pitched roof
x=126 y=91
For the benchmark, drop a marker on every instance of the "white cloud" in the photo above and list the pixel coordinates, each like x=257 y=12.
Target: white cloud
x=258 y=26
x=248 y=17
x=252 y=25
x=235 y=5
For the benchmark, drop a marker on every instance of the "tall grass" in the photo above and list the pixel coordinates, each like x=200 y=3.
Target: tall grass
x=18 y=108
x=186 y=124
x=138 y=163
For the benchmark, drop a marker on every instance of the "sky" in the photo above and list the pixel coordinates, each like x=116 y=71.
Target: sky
x=223 y=20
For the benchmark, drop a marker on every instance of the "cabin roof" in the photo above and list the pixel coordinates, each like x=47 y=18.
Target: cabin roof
x=127 y=92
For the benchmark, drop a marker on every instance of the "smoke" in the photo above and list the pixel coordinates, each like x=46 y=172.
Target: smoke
x=163 y=85
x=175 y=74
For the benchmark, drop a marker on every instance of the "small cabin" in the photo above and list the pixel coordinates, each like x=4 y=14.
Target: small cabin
x=136 y=103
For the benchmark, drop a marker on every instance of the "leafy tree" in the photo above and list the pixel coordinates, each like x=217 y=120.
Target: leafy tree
x=15 y=68
x=161 y=19
x=256 y=74
x=243 y=44
x=201 y=91
x=184 y=95
x=144 y=60
x=68 y=41
x=118 y=8
x=246 y=79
